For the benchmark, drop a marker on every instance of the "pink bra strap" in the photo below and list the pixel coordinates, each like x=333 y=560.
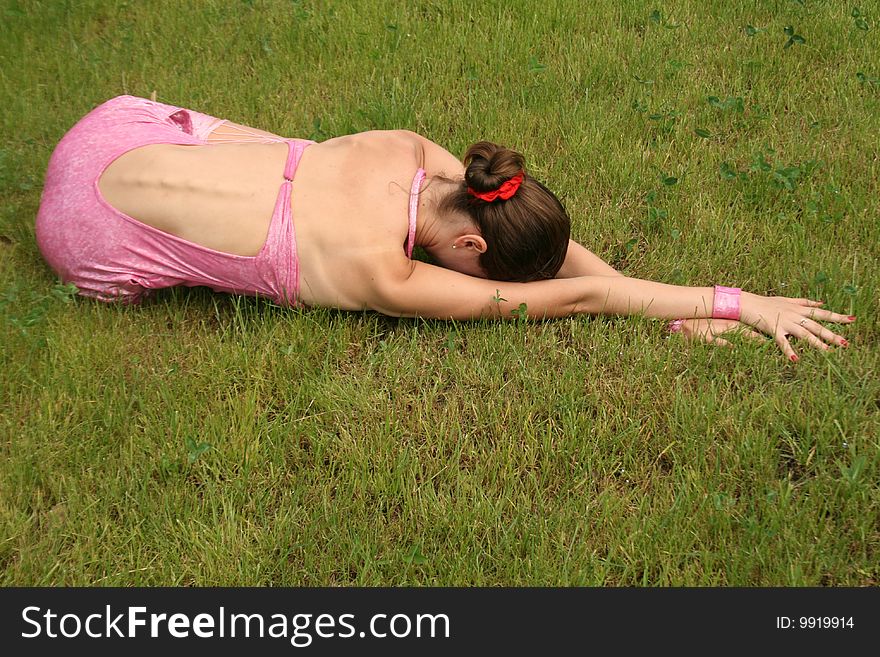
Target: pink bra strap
x=413 y=210
x=295 y=148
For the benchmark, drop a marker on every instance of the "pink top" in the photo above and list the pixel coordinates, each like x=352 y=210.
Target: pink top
x=413 y=210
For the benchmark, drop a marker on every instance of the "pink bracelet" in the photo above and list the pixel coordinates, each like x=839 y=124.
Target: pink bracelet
x=674 y=326
x=726 y=304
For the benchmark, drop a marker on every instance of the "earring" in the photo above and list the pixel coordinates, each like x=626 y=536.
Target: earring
x=453 y=246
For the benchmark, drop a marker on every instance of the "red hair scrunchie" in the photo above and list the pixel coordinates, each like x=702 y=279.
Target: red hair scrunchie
x=505 y=191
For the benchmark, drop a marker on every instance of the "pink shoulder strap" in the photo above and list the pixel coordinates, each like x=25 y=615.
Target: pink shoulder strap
x=413 y=210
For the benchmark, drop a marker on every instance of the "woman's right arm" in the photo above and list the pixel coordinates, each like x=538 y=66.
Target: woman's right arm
x=425 y=290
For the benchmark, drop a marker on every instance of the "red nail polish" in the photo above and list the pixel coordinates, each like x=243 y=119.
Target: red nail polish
x=794 y=358
x=852 y=317
x=844 y=343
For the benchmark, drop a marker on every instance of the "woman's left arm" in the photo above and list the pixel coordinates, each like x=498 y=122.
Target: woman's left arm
x=581 y=262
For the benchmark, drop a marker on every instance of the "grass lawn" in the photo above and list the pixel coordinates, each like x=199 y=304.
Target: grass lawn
x=204 y=439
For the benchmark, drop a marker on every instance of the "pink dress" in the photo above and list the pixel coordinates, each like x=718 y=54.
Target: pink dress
x=114 y=257
x=111 y=256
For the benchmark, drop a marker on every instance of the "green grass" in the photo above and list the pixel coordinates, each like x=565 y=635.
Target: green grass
x=204 y=439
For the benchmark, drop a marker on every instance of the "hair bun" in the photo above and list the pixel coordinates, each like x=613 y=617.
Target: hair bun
x=489 y=165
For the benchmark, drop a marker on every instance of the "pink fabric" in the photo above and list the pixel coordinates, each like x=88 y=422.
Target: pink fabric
x=112 y=256
x=726 y=303
x=413 y=210
x=675 y=326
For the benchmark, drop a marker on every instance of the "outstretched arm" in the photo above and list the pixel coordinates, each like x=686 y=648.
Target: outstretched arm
x=428 y=291
x=581 y=262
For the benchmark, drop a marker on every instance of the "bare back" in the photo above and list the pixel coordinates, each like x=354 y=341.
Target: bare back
x=349 y=203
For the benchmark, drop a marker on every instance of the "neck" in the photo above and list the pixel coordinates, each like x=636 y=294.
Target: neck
x=433 y=230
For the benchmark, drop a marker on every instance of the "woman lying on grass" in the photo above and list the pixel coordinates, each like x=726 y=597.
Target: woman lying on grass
x=140 y=195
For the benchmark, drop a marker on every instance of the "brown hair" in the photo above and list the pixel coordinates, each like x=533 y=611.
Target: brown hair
x=527 y=234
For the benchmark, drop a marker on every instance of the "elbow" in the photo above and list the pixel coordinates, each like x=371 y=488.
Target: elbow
x=594 y=295
x=387 y=293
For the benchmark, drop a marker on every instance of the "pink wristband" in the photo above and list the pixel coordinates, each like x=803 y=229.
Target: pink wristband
x=726 y=304
x=674 y=326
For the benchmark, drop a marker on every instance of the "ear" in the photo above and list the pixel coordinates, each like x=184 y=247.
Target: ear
x=471 y=241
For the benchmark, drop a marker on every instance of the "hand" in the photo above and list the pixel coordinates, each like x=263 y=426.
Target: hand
x=710 y=330
x=779 y=317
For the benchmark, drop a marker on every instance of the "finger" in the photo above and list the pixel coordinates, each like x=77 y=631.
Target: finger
x=803 y=334
x=806 y=302
x=751 y=335
x=828 y=316
x=721 y=342
x=828 y=336
x=783 y=343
